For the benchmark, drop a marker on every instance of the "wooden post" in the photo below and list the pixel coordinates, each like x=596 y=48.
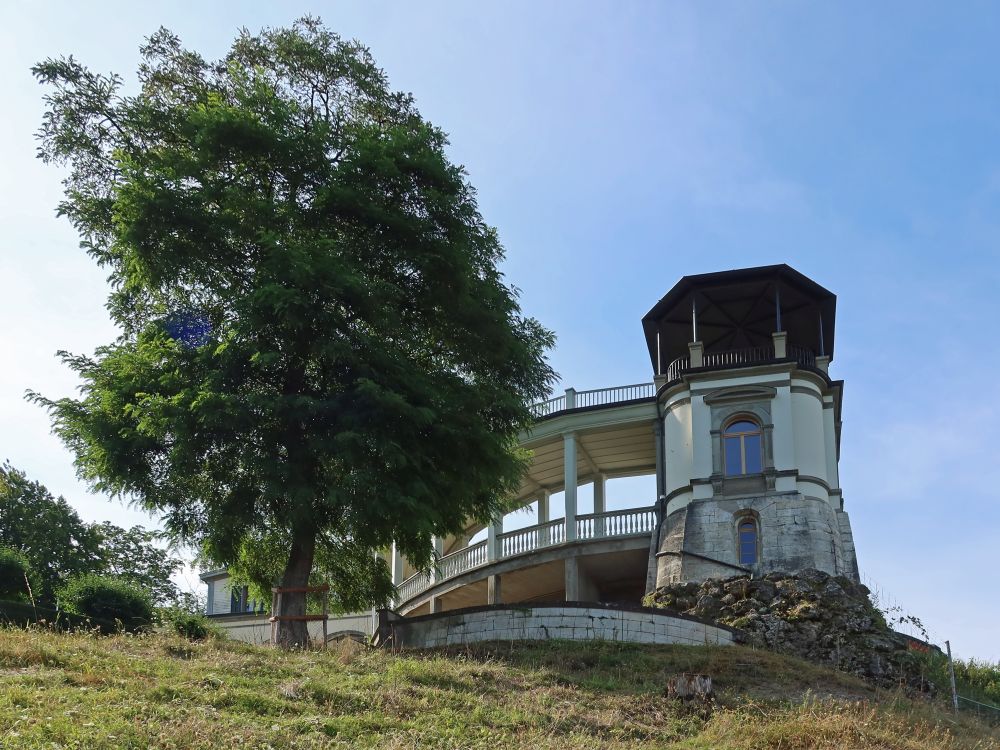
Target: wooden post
x=951 y=674
x=276 y=593
x=326 y=613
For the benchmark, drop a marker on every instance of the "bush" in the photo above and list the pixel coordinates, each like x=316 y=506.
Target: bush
x=190 y=625
x=108 y=599
x=14 y=575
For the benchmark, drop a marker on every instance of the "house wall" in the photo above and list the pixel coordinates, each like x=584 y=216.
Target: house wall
x=257 y=628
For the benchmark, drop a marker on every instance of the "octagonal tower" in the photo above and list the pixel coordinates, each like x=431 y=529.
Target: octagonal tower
x=748 y=428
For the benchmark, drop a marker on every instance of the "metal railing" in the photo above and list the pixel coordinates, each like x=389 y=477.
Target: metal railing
x=608 y=525
x=574 y=399
x=615 y=395
x=544 y=408
x=740 y=357
x=983 y=711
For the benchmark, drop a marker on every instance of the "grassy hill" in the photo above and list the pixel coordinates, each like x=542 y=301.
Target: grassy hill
x=156 y=691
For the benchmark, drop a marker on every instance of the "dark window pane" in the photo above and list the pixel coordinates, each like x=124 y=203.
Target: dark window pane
x=748 y=542
x=737 y=427
x=751 y=447
x=733 y=464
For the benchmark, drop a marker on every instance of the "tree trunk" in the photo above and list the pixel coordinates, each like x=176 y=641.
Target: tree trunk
x=295 y=633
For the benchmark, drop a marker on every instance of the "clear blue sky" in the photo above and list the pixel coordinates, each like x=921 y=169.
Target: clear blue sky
x=617 y=147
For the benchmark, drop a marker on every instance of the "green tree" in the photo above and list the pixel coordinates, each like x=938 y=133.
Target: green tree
x=15 y=575
x=58 y=545
x=46 y=530
x=134 y=555
x=318 y=353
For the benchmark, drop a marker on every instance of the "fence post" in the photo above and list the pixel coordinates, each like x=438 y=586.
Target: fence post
x=951 y=674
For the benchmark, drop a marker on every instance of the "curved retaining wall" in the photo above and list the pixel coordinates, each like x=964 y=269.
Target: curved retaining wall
x=581 y=621
x=256 y=629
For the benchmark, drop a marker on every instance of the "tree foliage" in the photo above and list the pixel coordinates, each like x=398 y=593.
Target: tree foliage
x=15 y=575
x=318 y=352
x=58 y=545
x=108 y=600
x=46 y=531
x=134 y=555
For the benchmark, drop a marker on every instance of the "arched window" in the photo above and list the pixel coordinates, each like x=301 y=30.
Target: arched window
x=747 y=535
x=741 y=442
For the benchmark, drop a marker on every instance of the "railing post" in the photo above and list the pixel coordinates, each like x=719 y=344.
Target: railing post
x=780 y=339
x=569 y=483
x=493 y=533
x=436 y=573
x=543 y=518
x=600 y=481
x=697 y=352
x=570 y=398
x=396 y=565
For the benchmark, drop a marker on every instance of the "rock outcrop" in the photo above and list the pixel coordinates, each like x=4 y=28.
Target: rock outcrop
x=811 y=614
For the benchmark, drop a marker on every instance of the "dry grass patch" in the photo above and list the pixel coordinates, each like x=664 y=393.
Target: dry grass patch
x=81 y=691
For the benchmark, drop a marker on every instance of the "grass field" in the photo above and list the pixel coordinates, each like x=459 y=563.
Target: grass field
x=157 y=691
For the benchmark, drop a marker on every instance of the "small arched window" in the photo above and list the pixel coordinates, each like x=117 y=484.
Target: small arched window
x=741 y=442
x=747 y=535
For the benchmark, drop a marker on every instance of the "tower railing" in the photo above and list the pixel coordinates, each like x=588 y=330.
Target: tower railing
x=753 y=355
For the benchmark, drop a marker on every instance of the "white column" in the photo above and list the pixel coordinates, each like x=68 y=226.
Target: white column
x=600 y=480
x=543 y=517
x=569 y=483
x=397 y=566
x=493 y=532
x=438 y=554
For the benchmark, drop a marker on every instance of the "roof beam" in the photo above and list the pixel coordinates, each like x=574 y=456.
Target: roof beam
x=582 y=449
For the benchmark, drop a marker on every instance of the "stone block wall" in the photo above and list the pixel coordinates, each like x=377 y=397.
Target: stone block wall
x=796 y=532
x=569 y=621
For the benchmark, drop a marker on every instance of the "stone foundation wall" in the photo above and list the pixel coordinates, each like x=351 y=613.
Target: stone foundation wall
x=797 y=532
x=570 y=621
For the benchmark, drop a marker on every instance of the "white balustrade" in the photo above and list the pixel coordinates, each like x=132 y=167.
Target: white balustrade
x=458 y=562
x=533 y=537
x=616 y=523
x=413 y=585
x=613 y=523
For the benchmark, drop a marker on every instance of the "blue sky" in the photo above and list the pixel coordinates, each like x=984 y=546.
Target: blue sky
x=618 y=147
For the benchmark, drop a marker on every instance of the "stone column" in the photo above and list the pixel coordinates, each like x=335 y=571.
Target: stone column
x=569 y=483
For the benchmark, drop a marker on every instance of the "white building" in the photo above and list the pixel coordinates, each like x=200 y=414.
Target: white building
x=740 y=427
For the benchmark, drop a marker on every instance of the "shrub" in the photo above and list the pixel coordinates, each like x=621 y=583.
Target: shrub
x=14 y=574
x=108 y=599
x=190 y=625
